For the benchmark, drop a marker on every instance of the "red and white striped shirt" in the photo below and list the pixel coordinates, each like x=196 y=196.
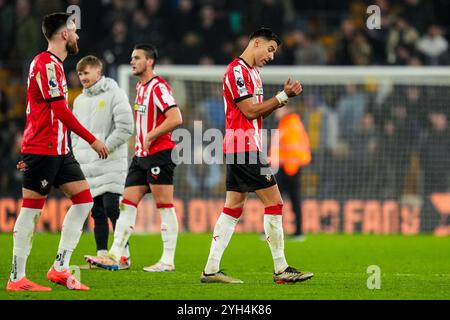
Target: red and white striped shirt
x=241 y=82
x=44 y=133
x=153 y=99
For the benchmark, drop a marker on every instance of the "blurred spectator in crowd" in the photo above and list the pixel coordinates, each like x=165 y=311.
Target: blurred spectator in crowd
x=28 y=32
x=10 y=154
x=361 y=162
x=268 y=13
x=416 y=105
x=216 y=21
x=433 y=46
x=419 y=13
x=403 y=55
x=322 y=126
x=212 y=107
x=74 y=86
x=116 y=11
x=307 y=51
x=397 y=144
x=6 y=29
x=206 y=60
x=435 y=154
x=182 y=19
x=402 y=34
x=190 y=49
x=4 y=106
x=43 y=7
x=350 y=109
x=116 y=49
x=352 y=47
x=202 y=179
x=390 y=176
x=378 y=39
x=140 y=27
x=360 y=50
x=154 y=9
x=157 y=29
x=209 y=27
x=321 y=122
x=345 y=38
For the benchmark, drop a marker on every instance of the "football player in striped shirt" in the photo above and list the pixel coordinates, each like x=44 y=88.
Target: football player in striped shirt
x=247 y=167
x=47 y=160
x=152 y=167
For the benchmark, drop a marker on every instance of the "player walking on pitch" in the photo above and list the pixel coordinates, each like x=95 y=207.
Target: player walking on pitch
x=152 y=167
x=47 y=160
x=245 y=108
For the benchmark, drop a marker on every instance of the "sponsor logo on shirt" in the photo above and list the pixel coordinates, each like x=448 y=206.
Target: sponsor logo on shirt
x=140 y=108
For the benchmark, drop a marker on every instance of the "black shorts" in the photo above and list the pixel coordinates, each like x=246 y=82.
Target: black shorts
x=43 y=171
x=157 y=168
x=251 y=175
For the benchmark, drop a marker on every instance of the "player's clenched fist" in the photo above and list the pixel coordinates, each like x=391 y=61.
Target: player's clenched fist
x=292 y=89
x=100 y=148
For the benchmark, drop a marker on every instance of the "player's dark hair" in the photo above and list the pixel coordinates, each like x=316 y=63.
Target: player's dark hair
x=267 y=34
x=52 y=22
x=150 y=51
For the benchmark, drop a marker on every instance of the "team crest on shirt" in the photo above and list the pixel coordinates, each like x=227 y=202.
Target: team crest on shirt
x=44 y=184
x=155 y=171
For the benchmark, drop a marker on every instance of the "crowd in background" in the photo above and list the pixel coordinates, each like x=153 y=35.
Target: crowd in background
x=355 y=124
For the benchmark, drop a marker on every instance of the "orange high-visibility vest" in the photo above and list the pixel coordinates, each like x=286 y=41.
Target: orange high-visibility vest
x=293 y=150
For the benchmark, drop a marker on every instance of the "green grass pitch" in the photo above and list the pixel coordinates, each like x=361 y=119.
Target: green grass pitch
x=412 y=267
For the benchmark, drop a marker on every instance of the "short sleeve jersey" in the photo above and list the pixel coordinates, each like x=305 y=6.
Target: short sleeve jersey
x=240 y=82
x=153 y=99
x=44 y=133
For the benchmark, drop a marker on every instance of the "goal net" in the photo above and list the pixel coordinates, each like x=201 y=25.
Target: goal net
x=379 y=138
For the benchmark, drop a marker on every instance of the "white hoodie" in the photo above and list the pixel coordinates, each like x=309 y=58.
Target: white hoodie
x=105 y=111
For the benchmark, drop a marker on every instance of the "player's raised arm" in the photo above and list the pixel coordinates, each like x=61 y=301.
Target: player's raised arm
x=253 y=110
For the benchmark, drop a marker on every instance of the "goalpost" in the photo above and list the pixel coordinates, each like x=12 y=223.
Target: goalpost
x=379 y=136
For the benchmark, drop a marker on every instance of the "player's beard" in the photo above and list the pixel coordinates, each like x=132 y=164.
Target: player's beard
x=72 y=48
x=139 y=73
